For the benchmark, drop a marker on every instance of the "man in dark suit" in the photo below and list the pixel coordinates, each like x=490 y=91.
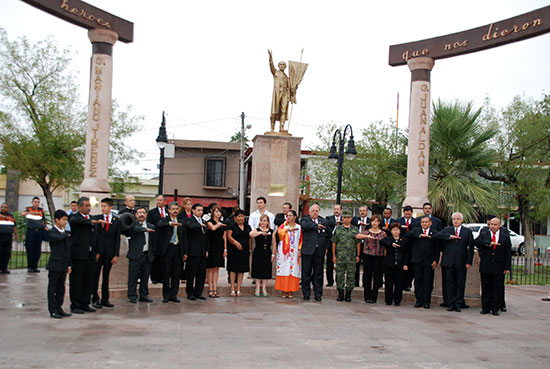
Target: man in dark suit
x=436 y=222
x=458 y=254
x=195 y=253
x=107 y=237
x=58 y=265
x=495 y=254
x=153 y=216
x=83 y=257
x=406 y=222
x=314 y=250
x=140 y=255
x=332 y=222
x=169 y=247
x=424 y=259
x=130 y=202
x=506 y=231
x=363 y=223
x=281 y=217
x=387 y=220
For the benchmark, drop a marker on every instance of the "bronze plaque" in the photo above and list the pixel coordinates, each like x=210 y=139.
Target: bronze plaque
x=87 y=16
x=510 y=30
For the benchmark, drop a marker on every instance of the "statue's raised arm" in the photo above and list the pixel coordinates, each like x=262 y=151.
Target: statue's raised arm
x=271 y=66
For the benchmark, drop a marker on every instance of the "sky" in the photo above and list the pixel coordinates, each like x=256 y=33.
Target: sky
x=205 y=62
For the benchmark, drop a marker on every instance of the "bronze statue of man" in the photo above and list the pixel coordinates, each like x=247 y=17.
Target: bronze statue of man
x=281 y=94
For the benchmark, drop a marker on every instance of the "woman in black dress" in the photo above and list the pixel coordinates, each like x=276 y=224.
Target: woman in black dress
x=217 y=250
x=262 y=257
x=239 y=235
x=238 y=249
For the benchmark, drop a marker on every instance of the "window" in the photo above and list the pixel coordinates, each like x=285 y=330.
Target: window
x=214 y=173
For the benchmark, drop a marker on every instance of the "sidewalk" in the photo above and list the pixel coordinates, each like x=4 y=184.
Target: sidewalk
x=250 y=332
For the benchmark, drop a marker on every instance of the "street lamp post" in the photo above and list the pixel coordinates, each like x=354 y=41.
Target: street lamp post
x=162 y=140
x=242 y=187
x=339 y=157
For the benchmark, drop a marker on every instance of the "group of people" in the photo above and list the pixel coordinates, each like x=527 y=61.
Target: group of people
x=391 y=248
x=170 y=243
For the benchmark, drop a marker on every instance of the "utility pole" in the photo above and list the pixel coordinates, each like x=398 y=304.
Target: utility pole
x=242 y=187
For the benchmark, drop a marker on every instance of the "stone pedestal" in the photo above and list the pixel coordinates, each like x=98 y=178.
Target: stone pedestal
x=418 y=156
x=275 y=171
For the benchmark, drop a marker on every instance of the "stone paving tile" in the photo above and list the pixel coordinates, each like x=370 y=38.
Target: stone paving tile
x=251 y=332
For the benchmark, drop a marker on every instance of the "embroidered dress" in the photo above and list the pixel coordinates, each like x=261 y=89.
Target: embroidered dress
x=288 y=265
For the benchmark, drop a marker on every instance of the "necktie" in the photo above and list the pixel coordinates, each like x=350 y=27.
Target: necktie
x=494 y=239
x=146 y=235
x=456 y=232
x=108 y=221
x=87 y=216
x=162 y=212
x=387 y=221
x=174 y=239
x=426 y=232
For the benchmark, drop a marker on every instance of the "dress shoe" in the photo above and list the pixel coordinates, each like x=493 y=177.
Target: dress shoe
x=29 y=270
x=318 y=298
x=306 y=298
x=464 y=306
x=77 y=311
x=192 y=298
x=64 y=313
x=503 y=309
x=145 y=299
x=426 y=306
x=340 y=295
x=97 y=305
x=348 y=296
x=388 y=303
x=133 y=300
x=201 y=297
x=372 y=301
x=8 y=272
x=56 y=315
x=451 y=308
x=484 y=311
x=107 y=304
x=443 y=305
x=175 y=299
x=417 y=305
x=457 y=309
x=330 y=284
x=397 y=304
x=165 y=301
x=495 y=312
x=89 y=309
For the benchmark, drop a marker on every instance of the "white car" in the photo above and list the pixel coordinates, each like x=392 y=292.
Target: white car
x=518 y=242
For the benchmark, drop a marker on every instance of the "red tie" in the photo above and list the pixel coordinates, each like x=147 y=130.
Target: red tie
x=494 y=239
x=107 y=225
x=456 y=232
x=86 y=216
x=387 y=221
x=426 y=232
x=162 y=212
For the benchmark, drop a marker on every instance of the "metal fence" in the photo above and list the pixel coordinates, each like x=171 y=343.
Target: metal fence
x=521 y=273
x=19 y=256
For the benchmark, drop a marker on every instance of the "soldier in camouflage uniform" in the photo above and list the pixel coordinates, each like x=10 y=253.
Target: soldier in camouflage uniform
x=345 y=251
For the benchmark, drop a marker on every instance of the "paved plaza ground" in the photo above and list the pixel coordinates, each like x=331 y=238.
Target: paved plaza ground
x=268 y=332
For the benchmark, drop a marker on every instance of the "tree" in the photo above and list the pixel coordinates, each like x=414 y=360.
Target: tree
x=237 y=138
x=43 y=122
x=522 y=165
x=375 y=177
x=459 y=148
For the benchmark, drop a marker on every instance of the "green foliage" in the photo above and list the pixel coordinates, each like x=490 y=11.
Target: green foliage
x=376 y=174
x=237 y=138
x=459 y=148
x=43 y=124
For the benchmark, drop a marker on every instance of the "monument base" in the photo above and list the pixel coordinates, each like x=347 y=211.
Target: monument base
x=276 y=170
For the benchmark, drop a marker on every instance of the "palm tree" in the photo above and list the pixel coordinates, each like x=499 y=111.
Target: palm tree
x=459 y=148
